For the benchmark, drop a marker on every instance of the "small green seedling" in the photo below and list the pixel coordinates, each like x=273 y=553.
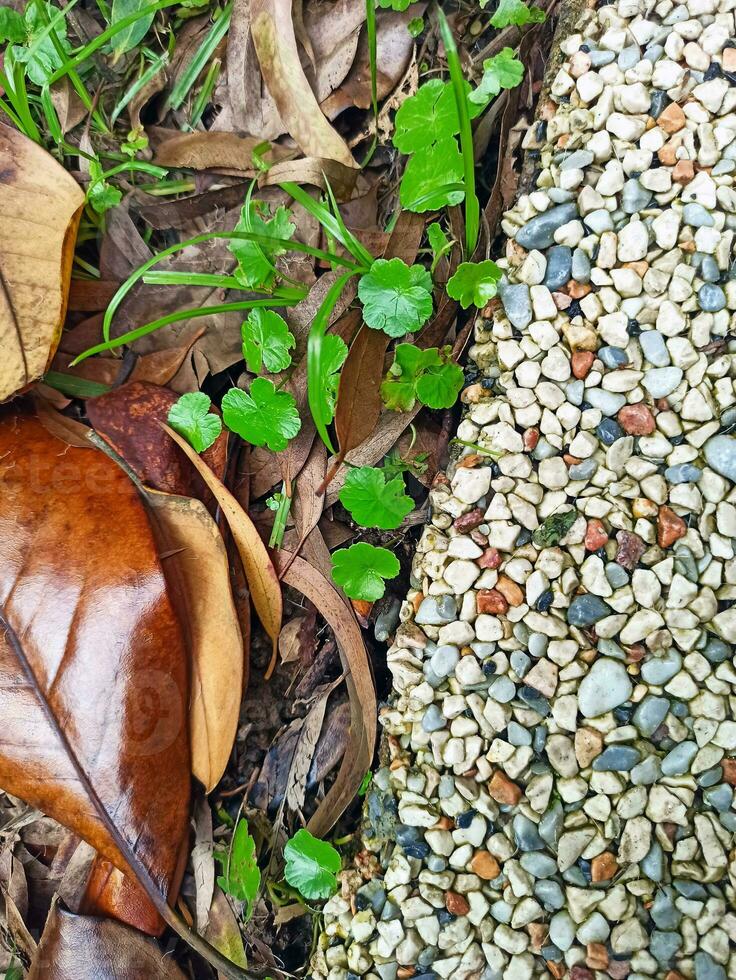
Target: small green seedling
x=374 y=501
x=474 y=283
x=554 y=529
x=415 y=26
x=504 y=70
x=360 y=570
x=267 y=341
x=428 y=376
x=438 y=242
x=516 y=13
x=190 y=416
x=262 y=415
x=333 y=356
x=311 y=865
x=101 y=195
x=241 y=876
x=35 y=47
x=396 y=298
x=433 y=179
x=255 y=260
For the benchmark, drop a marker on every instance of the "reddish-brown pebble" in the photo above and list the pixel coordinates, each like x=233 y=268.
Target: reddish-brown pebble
x=456 y=904
x=467 y=522
x=670 y=527
x=582 y=362
x=503 y=790
x=619 y=969
x=630 y=549
x=596 y=534
x=485 y=866
x=531 y=438
x=683 y=172
x=491 y=558
x=491 y=601
x=578 y=972
x=603 y=867
x=510 y=590
x=729 y=771
x=596 y=956
x=636 y=420
x=672 y=119
x=578 y=289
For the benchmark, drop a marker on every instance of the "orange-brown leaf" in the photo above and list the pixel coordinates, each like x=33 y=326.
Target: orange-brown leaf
x=259 y=571
x=93 y=669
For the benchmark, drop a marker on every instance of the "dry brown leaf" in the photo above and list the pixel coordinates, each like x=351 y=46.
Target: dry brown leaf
x=40 y=208
x=313 y=171
x=262 y=579
x=76 y=947
x=203 y=862
x=195 y=563
x=301 y=763
x=333 y=32
x=272 y=30
x=227 y=152
x=363 y=707
x=223 y=930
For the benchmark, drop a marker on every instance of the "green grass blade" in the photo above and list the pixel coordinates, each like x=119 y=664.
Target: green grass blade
x=332 y=225
x=472 y=206
x=101 y=40
x=72 y=386
x=138 y=274
x=370 y=23
x=315 y=394
x=164 y=321
x=205 y=93
x=153 y=69
x=205 y=51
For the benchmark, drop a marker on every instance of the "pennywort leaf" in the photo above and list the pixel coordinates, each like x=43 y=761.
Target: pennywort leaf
x=428 y=116
x=241 y=876
x=396 y=298
x=504 y=70
x=334 y=354
x=399 y=5
x=255 y=259
x=438 y=242
x=311 y=865
x=267 y=341
x=190 y=416
x=428 y=376
x=433 y=179
x=516 y=12
x=360 y=570
x=262 y=415
x=374 y=501
x=474 y=283
x=101 y=195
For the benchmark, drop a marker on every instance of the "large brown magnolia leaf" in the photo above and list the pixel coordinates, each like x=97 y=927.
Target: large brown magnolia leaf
x=40 y=208
x=76 y=947
x=93 y=668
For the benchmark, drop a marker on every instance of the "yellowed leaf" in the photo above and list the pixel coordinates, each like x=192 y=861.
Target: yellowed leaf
x=259 y=571
x=272 y=30
x=40 y=208
x=193 y=556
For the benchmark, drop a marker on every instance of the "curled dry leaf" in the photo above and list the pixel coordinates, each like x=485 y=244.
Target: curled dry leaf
x=77 y=947
x=40 y=208
x=363 y=708
x=259 y=571
x=213 y=151
x=128 y=419
x=272 y=30
x=316 y=171
x=195 y=562
x=93 y=667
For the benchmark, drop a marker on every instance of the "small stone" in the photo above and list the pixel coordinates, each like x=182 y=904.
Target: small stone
x=630 y=549
x=672 y=119
x=596 y=535
x=604 y=687
x=670 y=527
x=603 y=867
x=539 y=231
x=654 y=348
x=661 y=382
x=711 y=298
x=485 y=866
x=636 y=420
x=720 y=454
x=582 y=362
x=503 y=790
x=586 y=610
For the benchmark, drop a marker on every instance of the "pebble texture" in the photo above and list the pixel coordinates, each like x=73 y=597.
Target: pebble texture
x=558 y=794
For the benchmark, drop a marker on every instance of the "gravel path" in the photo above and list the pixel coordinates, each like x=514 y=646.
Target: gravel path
x=559 y=788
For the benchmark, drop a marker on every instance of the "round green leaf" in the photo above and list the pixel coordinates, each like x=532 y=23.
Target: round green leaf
x=474 y=283
x=360 y=570
x=267 y=341
x=374 y=502
x=396 y=298
x=433 y=179
x=190 y=416
x=311 y=865
x=262 y=416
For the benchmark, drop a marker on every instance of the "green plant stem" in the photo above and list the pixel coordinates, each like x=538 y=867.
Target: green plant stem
x=203 y=54
x=472 y=205
x=279 y=523
x=315 y=394
x=153 y=69
x=69 y=384
x=333 y=224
